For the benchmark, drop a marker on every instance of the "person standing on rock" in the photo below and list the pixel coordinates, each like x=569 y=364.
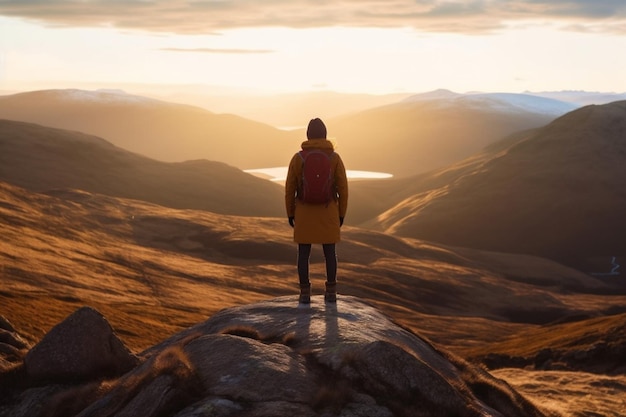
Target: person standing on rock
x=316 y=198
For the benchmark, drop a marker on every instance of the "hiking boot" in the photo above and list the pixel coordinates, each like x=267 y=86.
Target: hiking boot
x=330 y=296
x=305 y=294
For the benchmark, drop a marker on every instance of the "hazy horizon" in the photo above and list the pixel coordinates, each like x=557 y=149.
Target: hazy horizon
x=279 y=47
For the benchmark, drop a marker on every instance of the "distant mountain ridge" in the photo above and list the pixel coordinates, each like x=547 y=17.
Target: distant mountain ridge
x=42 y=158
x=578 y=98
x=168 y=132
x=581 y=98
x=505 y=102
x=101 y=96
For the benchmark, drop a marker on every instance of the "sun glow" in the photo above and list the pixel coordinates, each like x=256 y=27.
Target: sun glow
x=279 y=59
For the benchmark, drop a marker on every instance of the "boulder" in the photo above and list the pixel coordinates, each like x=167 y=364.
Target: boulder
x=82 y=347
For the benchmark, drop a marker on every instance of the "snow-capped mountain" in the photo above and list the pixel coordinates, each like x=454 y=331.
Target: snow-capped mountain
x=511 y=102
x=582 y=98
x=100 y=96
x=499 y=102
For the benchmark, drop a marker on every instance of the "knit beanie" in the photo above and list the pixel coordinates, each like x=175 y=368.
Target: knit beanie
x=316 y=129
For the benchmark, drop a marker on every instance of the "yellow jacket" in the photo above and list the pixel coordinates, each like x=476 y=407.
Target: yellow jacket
x=316 y=223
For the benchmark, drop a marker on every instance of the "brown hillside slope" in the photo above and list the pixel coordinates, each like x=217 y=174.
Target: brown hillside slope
x=370 y=198
x=164 y=131
x=42 y=158
x=561 y=193
x=153 y=270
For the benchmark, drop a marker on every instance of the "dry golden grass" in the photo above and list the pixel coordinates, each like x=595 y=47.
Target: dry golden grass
x=572 y=394
x=153 y=271
x=578 y=334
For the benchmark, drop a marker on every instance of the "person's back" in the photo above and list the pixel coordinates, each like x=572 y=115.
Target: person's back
x=316 y=222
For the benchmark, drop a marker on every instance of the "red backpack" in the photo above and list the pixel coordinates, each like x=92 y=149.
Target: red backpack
x=317 y=177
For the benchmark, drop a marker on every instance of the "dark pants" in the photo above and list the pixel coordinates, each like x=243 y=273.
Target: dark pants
x=304 y=253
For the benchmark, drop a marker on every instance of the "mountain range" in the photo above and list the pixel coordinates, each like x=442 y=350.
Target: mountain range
x=404 y=138
x=168 y=132
x=556 y=192
x=291 y=109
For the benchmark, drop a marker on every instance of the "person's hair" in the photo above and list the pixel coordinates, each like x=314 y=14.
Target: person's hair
x=316 y=129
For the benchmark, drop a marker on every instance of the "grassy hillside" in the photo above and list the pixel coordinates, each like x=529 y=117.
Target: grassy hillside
x=42 y=158
x=140 y=264
x=555 y=192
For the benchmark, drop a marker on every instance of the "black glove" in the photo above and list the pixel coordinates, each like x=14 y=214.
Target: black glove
x=291 y=220
x=340 y=221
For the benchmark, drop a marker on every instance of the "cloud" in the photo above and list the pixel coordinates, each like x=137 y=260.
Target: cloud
x=219 y=50
x=211 y=16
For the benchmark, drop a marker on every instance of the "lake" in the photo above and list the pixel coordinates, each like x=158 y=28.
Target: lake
x=279 y=174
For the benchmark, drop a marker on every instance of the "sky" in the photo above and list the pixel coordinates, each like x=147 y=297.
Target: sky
x=357 y=46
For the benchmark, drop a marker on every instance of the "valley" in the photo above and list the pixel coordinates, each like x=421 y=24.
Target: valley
x=489 y=256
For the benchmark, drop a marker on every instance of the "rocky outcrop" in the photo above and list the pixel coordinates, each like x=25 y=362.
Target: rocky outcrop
x=12 y=346
x=274 y=358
